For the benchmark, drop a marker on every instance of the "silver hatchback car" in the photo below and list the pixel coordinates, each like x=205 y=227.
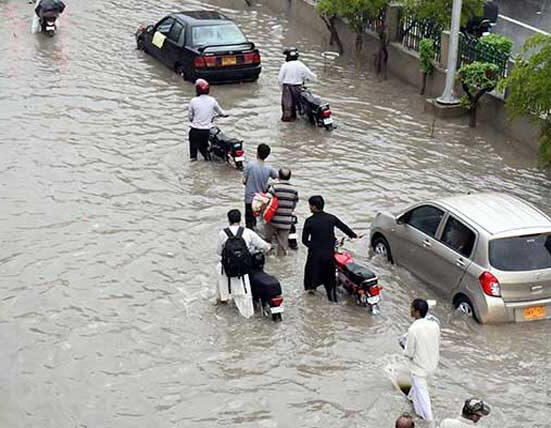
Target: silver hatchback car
x=488 y=253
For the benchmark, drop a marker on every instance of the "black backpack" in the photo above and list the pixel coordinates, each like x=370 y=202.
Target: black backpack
x=236 y=258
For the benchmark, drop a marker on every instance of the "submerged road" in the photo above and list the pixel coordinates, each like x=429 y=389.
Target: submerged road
x=107 y=240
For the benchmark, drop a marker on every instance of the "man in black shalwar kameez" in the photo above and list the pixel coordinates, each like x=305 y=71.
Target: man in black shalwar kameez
x=318 y=235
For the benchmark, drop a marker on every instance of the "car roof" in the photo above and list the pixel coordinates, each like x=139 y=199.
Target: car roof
x=202 y=17
x=498 y=213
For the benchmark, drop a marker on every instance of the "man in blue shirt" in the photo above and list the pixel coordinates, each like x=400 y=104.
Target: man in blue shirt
x=255 y=179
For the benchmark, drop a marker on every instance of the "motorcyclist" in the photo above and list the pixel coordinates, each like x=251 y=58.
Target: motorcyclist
x=45 y=6
x=473 y=410
x=292 y=75
x=202 y=110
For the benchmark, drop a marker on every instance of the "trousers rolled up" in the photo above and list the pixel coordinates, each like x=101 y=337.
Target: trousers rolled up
x=290 y=102
x=199 y=140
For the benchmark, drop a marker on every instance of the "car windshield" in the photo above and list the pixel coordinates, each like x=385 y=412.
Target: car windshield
x=521 y=253
x=226 y=34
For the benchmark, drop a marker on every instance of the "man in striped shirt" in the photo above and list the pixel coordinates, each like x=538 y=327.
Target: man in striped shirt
x=280 y=225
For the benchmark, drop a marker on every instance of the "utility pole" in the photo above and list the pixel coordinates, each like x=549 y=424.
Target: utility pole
x=447 y=96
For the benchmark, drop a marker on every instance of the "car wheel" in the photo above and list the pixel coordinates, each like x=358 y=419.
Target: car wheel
x=382 y=248
x=464 y=305
x=140 y=44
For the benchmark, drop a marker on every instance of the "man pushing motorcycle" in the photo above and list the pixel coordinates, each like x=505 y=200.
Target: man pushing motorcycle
x=292 y=75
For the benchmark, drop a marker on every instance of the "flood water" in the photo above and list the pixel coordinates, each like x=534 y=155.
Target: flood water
x=107 y=315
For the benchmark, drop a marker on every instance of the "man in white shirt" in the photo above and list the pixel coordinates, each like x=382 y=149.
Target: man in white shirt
x=422 y=348
x=202 y=110
x=473 y=410
x=292 y=75
x=238 y=288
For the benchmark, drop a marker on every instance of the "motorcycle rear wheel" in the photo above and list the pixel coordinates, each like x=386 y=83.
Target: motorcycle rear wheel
x=277 y=317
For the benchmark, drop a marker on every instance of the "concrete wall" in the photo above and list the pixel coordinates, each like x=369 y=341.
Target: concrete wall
x=405 y=65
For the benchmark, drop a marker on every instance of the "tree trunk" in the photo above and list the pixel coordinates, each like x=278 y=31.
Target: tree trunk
x=472 y=116
x=359 y=45
x=424 y=84
x=334 y=35
x=381 y=56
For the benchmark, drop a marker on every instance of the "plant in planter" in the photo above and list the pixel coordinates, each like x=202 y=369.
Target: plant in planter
x=529 y=89
x=498 y=42
x=427 y=52
x=476 y=79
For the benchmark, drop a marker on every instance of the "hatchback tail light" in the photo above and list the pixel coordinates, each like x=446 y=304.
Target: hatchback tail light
x=326 y=113
x=490 y=284
x=277 y=301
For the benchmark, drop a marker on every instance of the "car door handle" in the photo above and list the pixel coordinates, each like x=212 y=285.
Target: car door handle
x=460 y=263
x=426 y=243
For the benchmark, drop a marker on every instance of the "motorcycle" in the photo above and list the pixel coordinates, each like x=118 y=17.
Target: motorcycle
x=314 y=109
x=227 y=149
x=357 y=279
x=48 y=12
x=265 y=289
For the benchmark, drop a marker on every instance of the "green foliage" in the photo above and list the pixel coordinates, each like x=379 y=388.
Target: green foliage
x=358 y=13
x=529 y=88
x=500 y=43
x=427 y=53
x=440 y=11
x=478 y=76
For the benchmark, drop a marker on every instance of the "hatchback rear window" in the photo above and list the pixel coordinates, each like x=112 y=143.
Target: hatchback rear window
x=521 y=253
x=226 y=34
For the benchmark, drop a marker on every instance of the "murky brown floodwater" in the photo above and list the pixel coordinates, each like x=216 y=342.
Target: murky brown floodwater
x=106 y=260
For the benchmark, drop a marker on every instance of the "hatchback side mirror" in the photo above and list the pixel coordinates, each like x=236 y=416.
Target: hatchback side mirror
x=402 y=219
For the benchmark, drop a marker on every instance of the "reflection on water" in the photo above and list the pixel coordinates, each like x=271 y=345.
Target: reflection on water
x=106 y=269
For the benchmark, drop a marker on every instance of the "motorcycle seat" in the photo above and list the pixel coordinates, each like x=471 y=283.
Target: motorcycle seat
x=360 y=274
x=263 y=285
x=310 y=98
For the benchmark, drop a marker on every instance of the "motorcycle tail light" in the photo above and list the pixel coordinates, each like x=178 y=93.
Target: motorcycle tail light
x=490 y=284
x=374 y=290
x=239 y=152
x=277 y=301
x=326 y=113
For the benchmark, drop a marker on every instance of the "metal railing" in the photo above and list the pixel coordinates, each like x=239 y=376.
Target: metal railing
x=412 y=32
x=471 y=50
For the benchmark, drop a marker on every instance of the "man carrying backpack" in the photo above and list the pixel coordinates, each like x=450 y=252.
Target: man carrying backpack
x=235 y=244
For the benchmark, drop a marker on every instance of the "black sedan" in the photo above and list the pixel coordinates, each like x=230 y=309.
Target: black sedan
x=201 y=44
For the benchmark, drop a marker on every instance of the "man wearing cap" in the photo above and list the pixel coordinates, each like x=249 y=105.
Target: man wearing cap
x=473 y=410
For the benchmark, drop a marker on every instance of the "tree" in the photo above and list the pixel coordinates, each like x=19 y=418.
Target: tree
x=427 y=52
x=529 y=88
x=329 y=11
x=476 y=79
x=439 y=12
x=357 y=13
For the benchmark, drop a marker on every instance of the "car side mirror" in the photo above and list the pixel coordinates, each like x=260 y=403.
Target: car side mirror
x=402 y=219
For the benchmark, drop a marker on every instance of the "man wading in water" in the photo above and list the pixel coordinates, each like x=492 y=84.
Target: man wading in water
x=422 y=348
x=319 y=236
x=292 y=75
